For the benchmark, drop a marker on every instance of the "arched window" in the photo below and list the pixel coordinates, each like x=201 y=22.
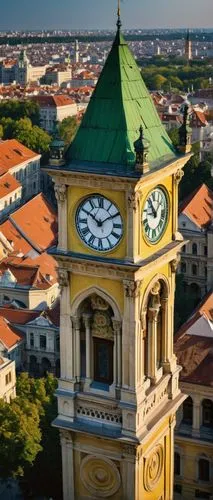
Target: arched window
x=207 y=413
x=203 y=469
x=188 y=411
x=97 y=335
x=194 y=248
x=177 y=463
x=194 y=269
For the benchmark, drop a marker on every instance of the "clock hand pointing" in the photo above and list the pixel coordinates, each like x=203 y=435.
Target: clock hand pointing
x=110 y=217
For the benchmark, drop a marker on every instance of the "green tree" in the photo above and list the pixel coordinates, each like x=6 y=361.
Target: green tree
x=15 y=110
x=20 y=437
x=68 y=128
x=174 y=136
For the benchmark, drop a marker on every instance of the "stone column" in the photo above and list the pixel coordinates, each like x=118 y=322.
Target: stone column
x=86 y=319
x=117 y=351
x=176 y=180
x=131 y=299
x=66 y=335
x=67 y=465
x=196 y=417
x=165 y=332
x=77 y=350
x=152 y=342
x=61 y=197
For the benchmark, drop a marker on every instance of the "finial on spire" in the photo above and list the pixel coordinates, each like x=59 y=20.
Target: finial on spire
x=119 y=15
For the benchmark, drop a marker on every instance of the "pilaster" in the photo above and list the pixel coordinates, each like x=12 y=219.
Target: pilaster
x=67 y=466
x=176 y=180
x=66 y=336
x=61 y=197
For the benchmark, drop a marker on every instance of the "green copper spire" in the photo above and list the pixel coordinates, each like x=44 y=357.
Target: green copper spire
x=119 y=106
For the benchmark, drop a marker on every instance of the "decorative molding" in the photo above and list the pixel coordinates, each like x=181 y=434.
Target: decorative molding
x=117 y=325
x=132 y=288
x=100 y=476
x=98 y=303
x=95 y=269
x=60 y=192
x=156 y=288
x=76 y=322
x=101 y=326
x=153 y=467
x=133 y=200
x=129 y=449
x=178 y=176
x=63 y=278
x=93 y=181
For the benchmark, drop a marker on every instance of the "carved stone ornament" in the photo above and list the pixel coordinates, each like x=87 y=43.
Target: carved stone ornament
x=178 y=176
x=100 y=477
x=156 y=288
x=133 y=200
x=98 y=303
x=153 y=468
x=132 y=288
x=63 y=278
x=60 y=192
x=174 y=264
x=101 y=326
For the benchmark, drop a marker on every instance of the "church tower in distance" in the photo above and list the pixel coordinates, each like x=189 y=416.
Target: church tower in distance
x=188 y=47
x=117 y=253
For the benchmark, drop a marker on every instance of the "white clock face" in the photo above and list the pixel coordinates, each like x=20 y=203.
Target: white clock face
x=99 y=223
x=155 y=215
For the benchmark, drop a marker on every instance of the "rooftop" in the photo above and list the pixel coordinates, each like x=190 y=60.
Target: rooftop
x=12 y=153
x=119 y=106
x=198 y=206
x=9 y=335
x=8 y=184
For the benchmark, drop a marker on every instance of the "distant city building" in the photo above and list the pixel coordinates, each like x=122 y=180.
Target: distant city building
x=193 y=459
x=11 y=342
x=76 y=51
x=26 y=73
x=7 y=379
x=23 y=165
x=196 y=225
x=54 y=108
x=188 y=47
x=41 y=332
x=58 y=74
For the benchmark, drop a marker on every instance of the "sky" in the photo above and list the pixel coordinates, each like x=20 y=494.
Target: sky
x=100 y=14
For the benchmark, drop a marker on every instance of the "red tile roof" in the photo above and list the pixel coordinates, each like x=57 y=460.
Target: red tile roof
x=200 y=117
x=45 y=101
x=37 y=273
x=18 y=316
x=195 y=352
x=199 y=206
x=9 y=335
x=8 y=184
x=13 y=153
x=37 y=222
x=15 y=238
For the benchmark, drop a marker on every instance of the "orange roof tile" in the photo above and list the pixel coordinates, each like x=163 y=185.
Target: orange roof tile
x=53 y=100
x=13 y=153
x=37 y=222
x=201 y=117
x=8 y=184
x=15 y=238
x=199 y=206
x=18 y=316
x=9 y=336
x=195 y=352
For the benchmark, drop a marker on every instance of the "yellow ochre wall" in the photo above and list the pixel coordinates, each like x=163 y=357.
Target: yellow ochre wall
x=190 y=453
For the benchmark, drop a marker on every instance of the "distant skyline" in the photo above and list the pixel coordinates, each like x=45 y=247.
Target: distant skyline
x=100 y=14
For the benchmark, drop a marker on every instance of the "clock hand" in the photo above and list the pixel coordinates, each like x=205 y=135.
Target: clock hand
x=110 y=217
x=152 y=207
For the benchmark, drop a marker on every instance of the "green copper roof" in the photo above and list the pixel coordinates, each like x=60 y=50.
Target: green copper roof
x=118 y=107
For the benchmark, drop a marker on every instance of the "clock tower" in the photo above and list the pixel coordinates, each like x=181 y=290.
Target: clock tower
x=117 y=251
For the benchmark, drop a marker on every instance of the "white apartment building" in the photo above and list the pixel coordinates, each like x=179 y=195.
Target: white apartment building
x=54 y=108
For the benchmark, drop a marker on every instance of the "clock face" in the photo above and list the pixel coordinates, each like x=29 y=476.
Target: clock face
x=99 y=223
x=155 y=215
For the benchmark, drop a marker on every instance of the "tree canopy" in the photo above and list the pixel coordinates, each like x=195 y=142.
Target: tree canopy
x=28 y=134
x=16 y=109
x=68 y=128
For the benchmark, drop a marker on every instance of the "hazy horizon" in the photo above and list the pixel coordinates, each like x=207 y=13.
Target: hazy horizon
x=97 y=14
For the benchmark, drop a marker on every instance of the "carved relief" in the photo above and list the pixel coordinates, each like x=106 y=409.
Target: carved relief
x=101 y=326
x=60 y=192
x=63 y=278
x=174 y=264
x=133 y=200
x=178 y=176
x=100 y=476
x=95 y=411
x=132 y=288
x=99 y=303
x=153 y=468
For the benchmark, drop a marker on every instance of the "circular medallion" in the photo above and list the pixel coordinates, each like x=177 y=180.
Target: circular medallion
x=153 y=468
x=100 y=476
